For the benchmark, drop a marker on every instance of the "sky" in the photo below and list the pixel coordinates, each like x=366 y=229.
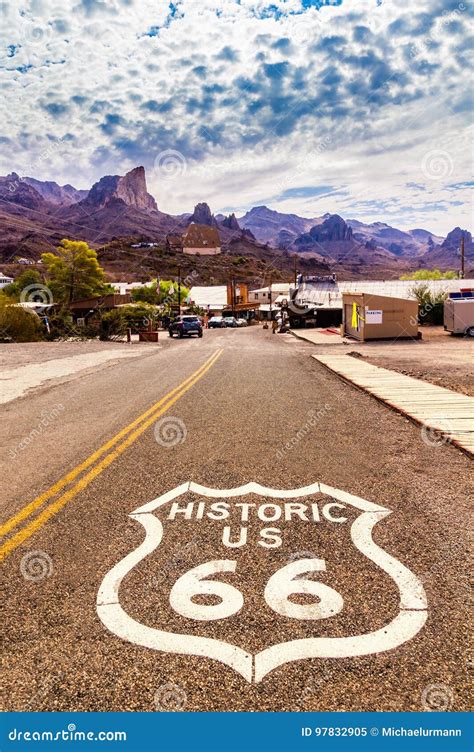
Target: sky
x=356 y=107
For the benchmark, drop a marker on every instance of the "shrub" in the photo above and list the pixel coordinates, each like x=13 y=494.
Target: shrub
x=19 y=324
x=116 y=322
x=431 y=305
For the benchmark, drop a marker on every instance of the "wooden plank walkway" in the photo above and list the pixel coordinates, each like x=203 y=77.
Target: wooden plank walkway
x=441 y=410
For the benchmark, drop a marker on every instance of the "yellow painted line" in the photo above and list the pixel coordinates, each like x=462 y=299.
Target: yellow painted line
x=164 y=403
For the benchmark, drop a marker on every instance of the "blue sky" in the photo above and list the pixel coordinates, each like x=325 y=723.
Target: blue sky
x=359 y=107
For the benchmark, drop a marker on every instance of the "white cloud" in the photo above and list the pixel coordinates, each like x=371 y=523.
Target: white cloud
x=90 y=92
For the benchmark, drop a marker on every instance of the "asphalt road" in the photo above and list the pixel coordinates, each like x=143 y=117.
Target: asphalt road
x=314 y=611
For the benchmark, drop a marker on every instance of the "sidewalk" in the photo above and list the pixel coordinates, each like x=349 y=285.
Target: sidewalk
x=319 y=336
x=440 y=411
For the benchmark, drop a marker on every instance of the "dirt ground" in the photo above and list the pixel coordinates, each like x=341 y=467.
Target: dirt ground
x=439 y=357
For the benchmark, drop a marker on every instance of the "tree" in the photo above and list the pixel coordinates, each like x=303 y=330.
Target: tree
x=163 y=293
x=424 y=274
x=28 y=278
x=146 y=293
x=73 y=272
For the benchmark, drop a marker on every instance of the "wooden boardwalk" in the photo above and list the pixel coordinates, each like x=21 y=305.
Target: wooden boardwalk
x=441 y=410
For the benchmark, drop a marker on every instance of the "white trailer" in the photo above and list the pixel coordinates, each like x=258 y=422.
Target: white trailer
x=459 y=316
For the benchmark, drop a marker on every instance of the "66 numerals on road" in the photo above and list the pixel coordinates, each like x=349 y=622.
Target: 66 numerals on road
x=287 y=581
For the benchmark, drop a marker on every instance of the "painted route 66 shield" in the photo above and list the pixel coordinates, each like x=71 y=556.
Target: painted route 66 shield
x=258 y=577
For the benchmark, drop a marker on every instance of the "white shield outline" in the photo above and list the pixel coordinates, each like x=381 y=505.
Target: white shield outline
x=405 y=625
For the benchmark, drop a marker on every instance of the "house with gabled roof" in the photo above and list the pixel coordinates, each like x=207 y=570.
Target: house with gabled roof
x=201 y=240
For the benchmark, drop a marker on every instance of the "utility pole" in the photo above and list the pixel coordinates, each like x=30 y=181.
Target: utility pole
x=179 y=290
x=232 y=295
x=296 y=271
x=462 y=256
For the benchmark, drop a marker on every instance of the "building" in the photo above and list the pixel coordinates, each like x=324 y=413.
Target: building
x=320 y=303
x=201 y=240
x=83 y=310
x=211 y=299
x=279 y=291
x=4 y=281
x=123 y=288
x=269 y=300
x=366 y=316
x=174 y=243
x=224 y=300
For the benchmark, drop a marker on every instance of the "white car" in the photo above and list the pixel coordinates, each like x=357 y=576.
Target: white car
x=241 y=322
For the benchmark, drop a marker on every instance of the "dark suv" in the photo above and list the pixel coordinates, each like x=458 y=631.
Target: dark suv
x=185 y=325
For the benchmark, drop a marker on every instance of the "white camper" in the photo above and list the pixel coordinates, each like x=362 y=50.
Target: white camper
x=459 y=316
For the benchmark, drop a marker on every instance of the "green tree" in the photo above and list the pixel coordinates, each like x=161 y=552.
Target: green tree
x=164 y=292
x=146 y=293
x=28 y=278
x=73 y=272
x=425 y=274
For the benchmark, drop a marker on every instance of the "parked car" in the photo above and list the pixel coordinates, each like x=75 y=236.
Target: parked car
x=185 y=325
x=230 y=321
x=242 y=322
x=216 y=322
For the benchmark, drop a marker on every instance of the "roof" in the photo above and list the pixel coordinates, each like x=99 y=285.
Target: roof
x=175 y=241
x=330 y=295
x=209 y=296
x=280 y=287
x=201 y=236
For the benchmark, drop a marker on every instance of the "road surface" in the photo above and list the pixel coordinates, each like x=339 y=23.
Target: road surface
x=135 y=578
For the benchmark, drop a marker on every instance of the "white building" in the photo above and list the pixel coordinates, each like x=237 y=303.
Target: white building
x=4 y=281
x=280 y=291
x=212 y=299
x=329 y=295
x=123 y=288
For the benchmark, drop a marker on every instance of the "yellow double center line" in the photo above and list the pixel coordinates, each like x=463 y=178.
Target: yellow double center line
x=129 y=434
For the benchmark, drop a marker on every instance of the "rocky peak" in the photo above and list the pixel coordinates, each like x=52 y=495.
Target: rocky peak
x=202 y=215
x=130 y=188
x=231 y=222
x=13 y=190
x=333 y=228
x=61 y=195
x=453 y=239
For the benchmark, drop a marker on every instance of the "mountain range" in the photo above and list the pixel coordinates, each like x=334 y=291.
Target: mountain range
x=35 y=215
